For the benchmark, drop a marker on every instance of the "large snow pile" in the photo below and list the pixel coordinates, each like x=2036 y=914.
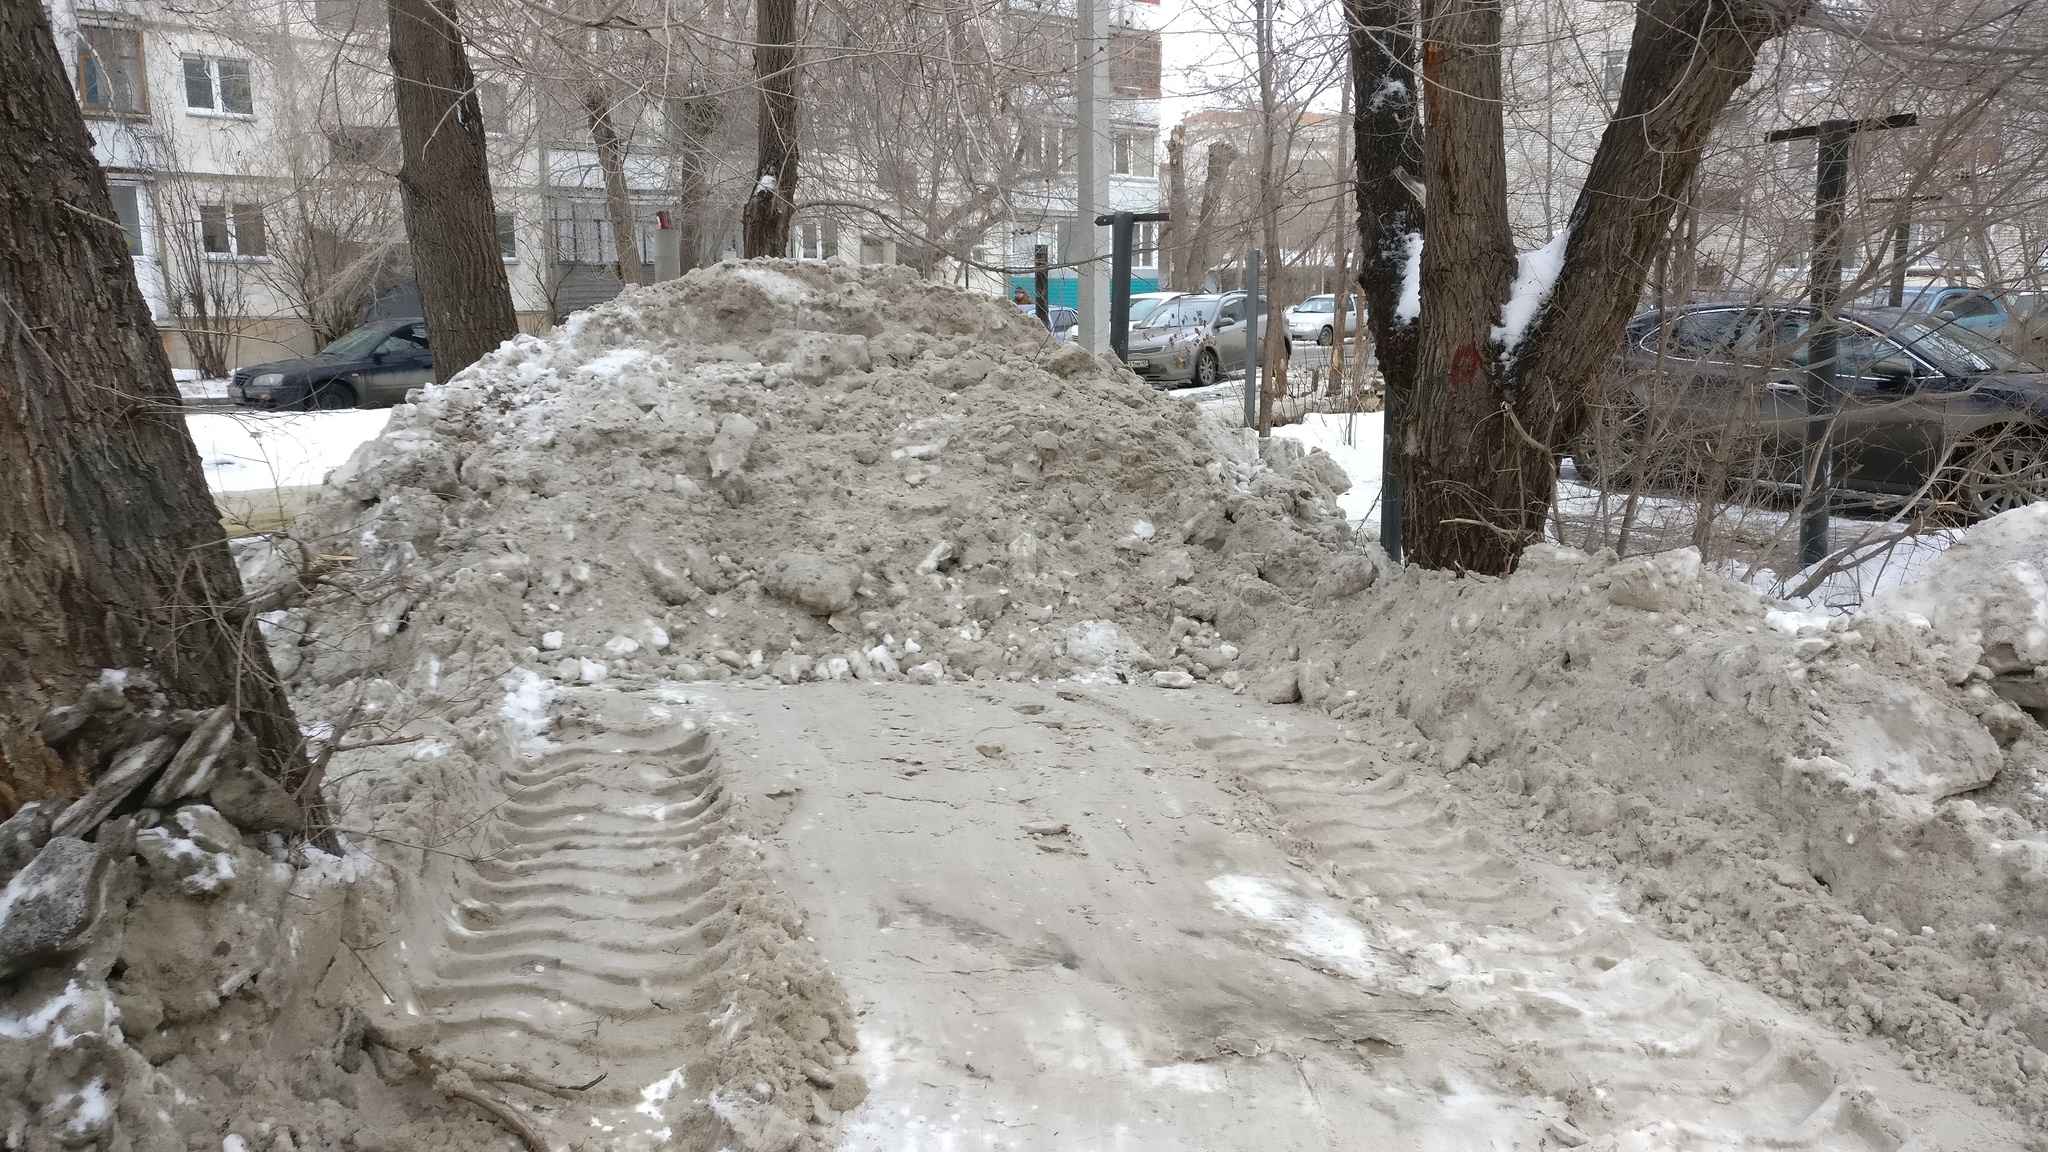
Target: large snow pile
x=1839 y=809
x=809 y=472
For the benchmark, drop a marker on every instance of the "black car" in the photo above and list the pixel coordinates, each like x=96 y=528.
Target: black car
x=1925 y=407
x=375 y=364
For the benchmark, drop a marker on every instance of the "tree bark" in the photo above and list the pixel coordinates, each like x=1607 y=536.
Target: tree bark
x=110 y=549
x=770 y=207
x=1460 y=460
x=1215 y=181
x=1387 y=139
x=699 y=118
x=1176 y=209
x=1480 y=438
x=618 y=201
x=1686 y=59
x=445 y=185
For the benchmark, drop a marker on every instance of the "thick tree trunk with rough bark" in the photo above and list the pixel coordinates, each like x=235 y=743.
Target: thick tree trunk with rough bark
x=445 y=185
x=693 y=165
x=1387 y=138
x=1215 y=178
x=618 y=201
x=1480 y=436
x=766 y=218
x=1462 y=466
x=1686 y=59
x=111 y=553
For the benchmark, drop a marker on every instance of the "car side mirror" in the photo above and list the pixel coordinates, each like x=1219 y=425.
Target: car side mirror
x=1893 y=373
x=1945 y=314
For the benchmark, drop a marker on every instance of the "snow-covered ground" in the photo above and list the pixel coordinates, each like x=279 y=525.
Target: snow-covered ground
x=1881 y=555
x=255 y=451
x=193 y=386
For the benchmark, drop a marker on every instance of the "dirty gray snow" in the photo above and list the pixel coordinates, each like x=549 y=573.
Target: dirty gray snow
x=801 y=707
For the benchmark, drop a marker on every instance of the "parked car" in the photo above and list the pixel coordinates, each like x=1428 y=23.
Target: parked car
x=373 y=365
x=1061 y=321
x=1926 y=404
x=1314 y=319
x=1191 y=340
x=1142 y=304
x=2011 y=317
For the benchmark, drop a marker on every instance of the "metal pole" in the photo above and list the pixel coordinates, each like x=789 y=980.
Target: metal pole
x=1830 y=188
x=1120 y=285
x=1902 y=251
x=1039 y=287
x=1251 y=342
x=1390 y=476
x=1091 y=109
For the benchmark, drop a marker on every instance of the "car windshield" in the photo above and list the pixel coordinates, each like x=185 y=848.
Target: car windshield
x=356 y=343
x=1183 y=312
x=1958 y=351
x=1317 y=304
x=1142 y=310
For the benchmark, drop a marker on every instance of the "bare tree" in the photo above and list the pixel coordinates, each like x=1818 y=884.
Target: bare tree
x=445 y=185
x=1486 y=409
x=611 y=159
x=111 y=555
x=772 y=204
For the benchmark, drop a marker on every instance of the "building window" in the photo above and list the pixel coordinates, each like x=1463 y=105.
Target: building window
x=110 y=70
x=1614 y=69
x=343 y=15
x=1145 y=244
x=492 y=100
x=214 y=84
x=233 y=231
x=583 y=233
x=1131 y=154
x=1049 y=148
x=815 y=239
x=508 y=236
x=128 y=210
x=1134 y=63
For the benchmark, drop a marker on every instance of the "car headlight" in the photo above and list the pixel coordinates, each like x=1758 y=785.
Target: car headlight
x=267 y=380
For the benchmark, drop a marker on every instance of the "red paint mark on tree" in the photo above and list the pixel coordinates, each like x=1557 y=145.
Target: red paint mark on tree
x=1466 y=364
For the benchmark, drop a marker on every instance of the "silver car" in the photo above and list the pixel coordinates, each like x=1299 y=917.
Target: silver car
x=1314 y=320
x=1194 y=340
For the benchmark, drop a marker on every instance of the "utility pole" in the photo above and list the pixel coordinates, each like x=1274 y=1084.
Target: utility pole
x=1254 y=410
x=1091 y=111
x=1119 y=225
x=1823 y=384
x=1902 y=241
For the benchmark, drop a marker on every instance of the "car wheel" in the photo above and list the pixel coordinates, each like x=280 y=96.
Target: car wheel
x=1208 y=369
x=1325 y=338
x=331 y=394
x=2011 y=471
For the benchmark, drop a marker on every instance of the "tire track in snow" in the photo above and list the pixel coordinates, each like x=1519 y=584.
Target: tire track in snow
x=1646 y=1053
x=619 y=928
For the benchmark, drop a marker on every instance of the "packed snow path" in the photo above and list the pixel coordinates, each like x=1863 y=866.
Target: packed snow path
x=1129 y=918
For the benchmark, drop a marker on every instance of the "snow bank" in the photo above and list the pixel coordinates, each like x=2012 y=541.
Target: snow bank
x=250 y=451
x=797 y=471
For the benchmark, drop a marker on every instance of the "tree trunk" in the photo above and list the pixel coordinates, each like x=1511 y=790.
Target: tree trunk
x=1686 y=59
x=1387 y=136
x=1215 y=180
x=1340 y=258
x=445 y=185
x=1170 y=272
x=1466 y=474
x=618 y=202
x=765 y=220
x=111 y=554
x=1272 y=360
x=693 y=161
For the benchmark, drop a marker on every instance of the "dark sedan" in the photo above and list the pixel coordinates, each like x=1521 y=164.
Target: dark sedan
x=373 y=365
x=1925 y=408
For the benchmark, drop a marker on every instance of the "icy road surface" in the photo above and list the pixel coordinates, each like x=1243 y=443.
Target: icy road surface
x=1124 y=918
